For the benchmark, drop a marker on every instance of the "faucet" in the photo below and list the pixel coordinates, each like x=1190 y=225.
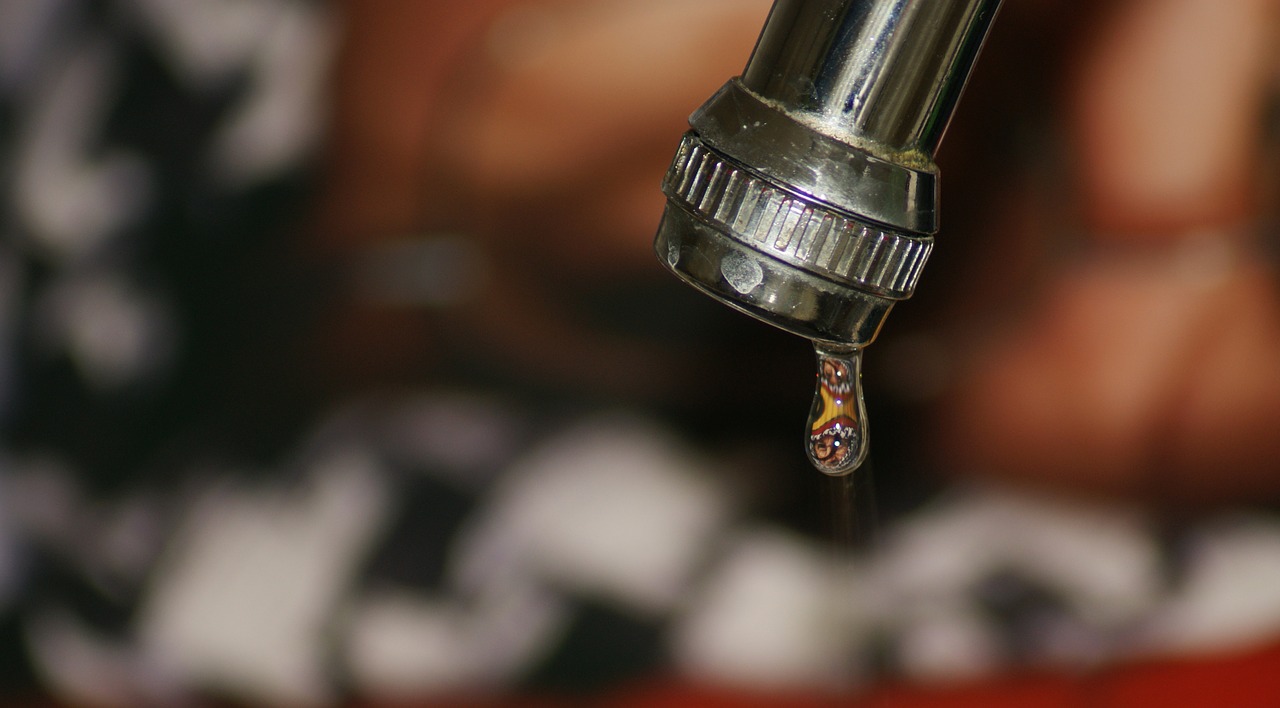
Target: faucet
x=805 y=193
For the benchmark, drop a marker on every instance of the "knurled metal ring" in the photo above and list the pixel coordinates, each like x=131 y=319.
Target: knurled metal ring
x=800 y=231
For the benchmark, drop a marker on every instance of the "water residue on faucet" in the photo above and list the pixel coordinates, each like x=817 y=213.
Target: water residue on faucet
x=837 y=430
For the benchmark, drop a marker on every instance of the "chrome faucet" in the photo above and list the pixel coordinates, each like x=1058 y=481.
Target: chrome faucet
x=805 y=193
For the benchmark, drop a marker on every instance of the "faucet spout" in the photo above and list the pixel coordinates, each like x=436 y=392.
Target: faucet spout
x=805 y=193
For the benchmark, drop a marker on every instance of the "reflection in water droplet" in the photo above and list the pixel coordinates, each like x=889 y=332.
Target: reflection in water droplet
x=837 y=430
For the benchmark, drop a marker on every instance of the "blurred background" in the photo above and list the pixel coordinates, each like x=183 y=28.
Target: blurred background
x=335 y=368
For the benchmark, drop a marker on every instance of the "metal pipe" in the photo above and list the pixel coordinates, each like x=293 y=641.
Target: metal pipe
x=806 y=193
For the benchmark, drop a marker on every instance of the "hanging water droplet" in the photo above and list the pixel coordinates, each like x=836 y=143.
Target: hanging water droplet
x=837 y=431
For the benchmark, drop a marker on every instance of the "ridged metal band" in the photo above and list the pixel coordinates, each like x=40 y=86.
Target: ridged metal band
x=781 y=148
x=796 y=230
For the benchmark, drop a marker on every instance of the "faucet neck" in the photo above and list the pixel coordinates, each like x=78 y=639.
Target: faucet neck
x=883 y=75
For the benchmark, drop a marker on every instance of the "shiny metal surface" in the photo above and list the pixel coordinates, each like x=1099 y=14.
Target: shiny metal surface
x=764 y=287
x=737 y=123
x=824 y=241
x=806 y=193
x=883 y=75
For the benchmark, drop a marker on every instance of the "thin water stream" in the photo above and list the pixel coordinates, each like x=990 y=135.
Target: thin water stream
x=836 y=444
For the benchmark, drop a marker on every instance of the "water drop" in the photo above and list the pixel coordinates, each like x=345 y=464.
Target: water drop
x=836 y=441
x=742 y=273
